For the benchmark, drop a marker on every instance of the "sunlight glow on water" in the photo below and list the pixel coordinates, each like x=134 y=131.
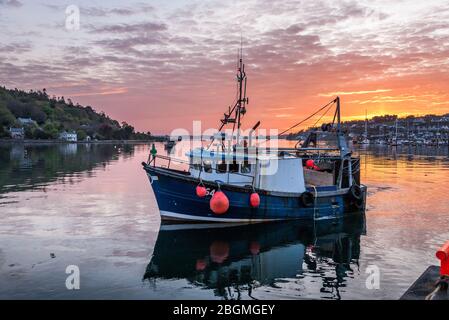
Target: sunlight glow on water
x=92 y=206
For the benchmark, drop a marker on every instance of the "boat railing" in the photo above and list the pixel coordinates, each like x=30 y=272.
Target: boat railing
x=152 y=162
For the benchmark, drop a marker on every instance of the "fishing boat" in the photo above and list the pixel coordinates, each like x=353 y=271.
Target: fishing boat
x=247 y=183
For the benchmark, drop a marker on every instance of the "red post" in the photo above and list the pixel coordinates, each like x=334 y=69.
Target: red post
x=443 y=255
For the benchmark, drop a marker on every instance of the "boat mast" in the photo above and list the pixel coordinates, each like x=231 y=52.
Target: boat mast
x=408 y=131
x=341 y=139
x=242 y=100
x=396 y=131
x=345 y=154
x=366 y=124
x=235 y=114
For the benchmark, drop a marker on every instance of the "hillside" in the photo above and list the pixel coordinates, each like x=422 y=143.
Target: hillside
x=52 y=115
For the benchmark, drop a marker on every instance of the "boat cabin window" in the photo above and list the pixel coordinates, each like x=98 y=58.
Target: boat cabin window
x=234 y=167
x=207 y=166
x=221 y=167
x=195 y=163
x=245 y=168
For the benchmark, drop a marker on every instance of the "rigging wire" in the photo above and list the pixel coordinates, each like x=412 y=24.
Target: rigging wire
x=302 y=121
x=327 y=110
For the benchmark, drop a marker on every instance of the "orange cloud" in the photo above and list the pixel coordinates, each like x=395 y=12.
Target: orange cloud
x=348 y=93
x=101 y=93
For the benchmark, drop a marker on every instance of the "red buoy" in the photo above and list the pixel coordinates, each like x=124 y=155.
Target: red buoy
x=310 y=163
x=219 y=203
x=201 y=191
x=443 y=255
x=254 y=200
x=315 y=167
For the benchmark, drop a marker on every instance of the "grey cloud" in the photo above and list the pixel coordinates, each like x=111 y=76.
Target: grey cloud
x=11 y=3
x=125 y=44
x=16 y=48
x=129 y=28
x=104 y=12
x=30 y=74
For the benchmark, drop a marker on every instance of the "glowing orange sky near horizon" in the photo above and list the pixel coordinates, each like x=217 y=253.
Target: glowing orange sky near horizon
x=282 y=108
x=160 y=66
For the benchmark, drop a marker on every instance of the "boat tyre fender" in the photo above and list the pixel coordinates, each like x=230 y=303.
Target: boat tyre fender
x=307 y=199
x=359 y=203
x=356 y=192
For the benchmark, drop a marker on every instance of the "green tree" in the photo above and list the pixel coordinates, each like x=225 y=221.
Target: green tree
x=106 y=131
x=128 y=130
x=29 y=132
x=4 y=133
x=41 y=134
x=51 y=130
x=6 y=117
x=81 y=134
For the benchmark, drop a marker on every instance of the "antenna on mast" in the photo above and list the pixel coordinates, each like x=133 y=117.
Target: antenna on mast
x=241 y=45
x=243 y=100
x=234 y=114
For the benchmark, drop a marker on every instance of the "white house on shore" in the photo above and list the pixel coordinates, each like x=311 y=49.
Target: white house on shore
x=68 y=136
x=26 y=121
x=17 y=133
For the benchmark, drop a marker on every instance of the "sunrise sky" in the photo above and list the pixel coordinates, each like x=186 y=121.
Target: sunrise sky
x=161 y=64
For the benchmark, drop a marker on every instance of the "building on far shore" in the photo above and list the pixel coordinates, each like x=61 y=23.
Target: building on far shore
x=17 y=133
x=68 y=136
x=26 y=121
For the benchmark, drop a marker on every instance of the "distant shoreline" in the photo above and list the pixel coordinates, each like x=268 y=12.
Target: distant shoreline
x=42 y=142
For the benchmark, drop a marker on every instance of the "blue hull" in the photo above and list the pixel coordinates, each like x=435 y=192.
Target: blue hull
x=177 y=200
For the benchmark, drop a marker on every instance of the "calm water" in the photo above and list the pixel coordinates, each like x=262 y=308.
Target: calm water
x=92 y=206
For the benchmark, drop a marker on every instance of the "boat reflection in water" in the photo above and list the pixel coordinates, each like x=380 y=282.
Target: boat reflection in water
x=235 y=260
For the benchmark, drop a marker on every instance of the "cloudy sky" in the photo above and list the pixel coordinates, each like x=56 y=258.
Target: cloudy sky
x=161 y=64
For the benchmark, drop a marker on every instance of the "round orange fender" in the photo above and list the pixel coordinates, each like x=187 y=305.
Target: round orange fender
x=219 y=203
x=254 y=200
x=201 y=191
x=310 y=163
